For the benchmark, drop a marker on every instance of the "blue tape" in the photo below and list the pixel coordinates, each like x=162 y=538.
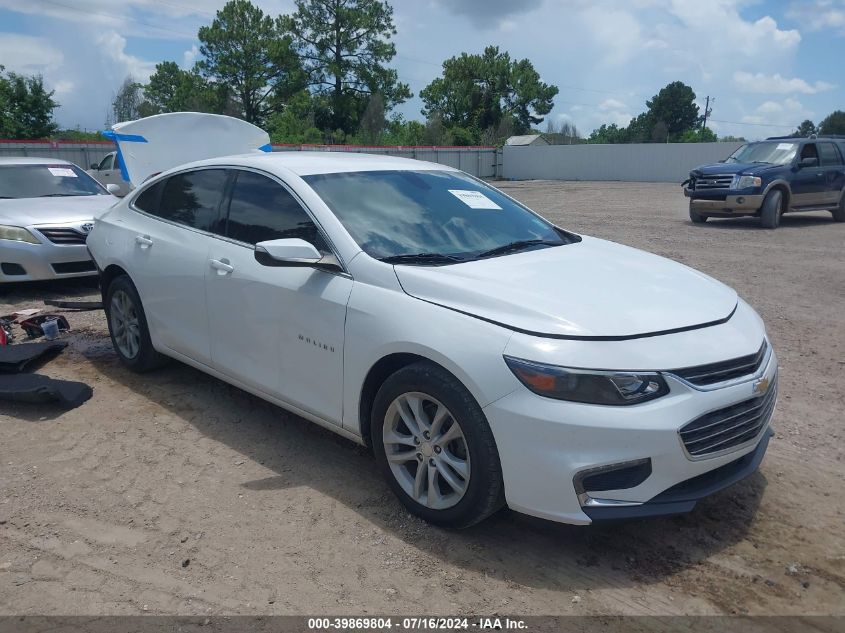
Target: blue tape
x=129 y=138
x=266 y=148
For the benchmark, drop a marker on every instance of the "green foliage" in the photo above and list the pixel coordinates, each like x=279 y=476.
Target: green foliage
x=128 y=102
x=671 y=116
x=705 y=135
x=295 y=123
x=26 y=108
x=806 y=129
x=344 y=47
x=477 y=92
x=834 y=123
x=172 y=89
x=252 y=55
x=77 y=135
x=401 y=132
x=733 y=139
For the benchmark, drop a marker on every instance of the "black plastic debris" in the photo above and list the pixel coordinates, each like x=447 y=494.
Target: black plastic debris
x=14 y=358
x=33 y=388
x=33 y=326
x=75 y=305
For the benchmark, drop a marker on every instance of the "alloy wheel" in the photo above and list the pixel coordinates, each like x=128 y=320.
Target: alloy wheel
x=426 y=450
x=125 y=325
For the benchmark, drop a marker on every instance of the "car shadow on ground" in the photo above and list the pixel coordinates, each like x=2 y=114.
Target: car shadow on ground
x=819 y=219
x=508 y=545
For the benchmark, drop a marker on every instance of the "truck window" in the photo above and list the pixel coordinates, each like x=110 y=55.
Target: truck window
x=829 y=154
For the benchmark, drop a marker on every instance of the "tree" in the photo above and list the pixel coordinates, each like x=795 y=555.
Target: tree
x=476 y=92
x=345 y=46
x=704 y=135
x=834 y=123
x=127 y=103
x=172 y=89
x=251 y=54
x=564 y=134
x=295 y=123
x=26 y=107
x=372 y=125
x=805 y=130
x=675 y=106
x=732 y=139
x=609 y=134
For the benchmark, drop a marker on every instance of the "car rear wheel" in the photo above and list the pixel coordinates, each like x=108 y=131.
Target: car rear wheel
x=695 y=216
x=839 y=212
x=435 y=448
x=128 y=326
x=772 y=209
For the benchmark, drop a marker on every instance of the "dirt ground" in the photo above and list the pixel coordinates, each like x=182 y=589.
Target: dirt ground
x=176 y=493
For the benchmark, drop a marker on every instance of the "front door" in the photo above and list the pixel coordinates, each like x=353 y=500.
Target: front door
x=276 y=329
x=808 y=184
x=168 y=257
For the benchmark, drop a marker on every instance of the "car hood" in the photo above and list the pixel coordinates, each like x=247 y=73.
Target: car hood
x=592 y=289
x=731 y=168
x=30 y=211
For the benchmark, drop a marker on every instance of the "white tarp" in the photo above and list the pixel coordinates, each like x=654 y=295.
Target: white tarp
x=155 y=144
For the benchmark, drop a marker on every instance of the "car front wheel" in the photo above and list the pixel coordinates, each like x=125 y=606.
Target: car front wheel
x=695 y=216
x=435 y=448
x=128 y=326
x=772 y=209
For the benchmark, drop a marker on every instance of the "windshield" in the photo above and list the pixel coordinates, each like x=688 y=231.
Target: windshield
x=776 y=153
x=39 y=181
x=392 y=214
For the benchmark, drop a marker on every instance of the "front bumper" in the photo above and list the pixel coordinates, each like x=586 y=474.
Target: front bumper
x=544 y=444
x=730 y=204
x=22 y=261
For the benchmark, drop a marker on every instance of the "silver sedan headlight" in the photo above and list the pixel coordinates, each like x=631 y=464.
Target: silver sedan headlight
x=615 y=388
x=17 y=234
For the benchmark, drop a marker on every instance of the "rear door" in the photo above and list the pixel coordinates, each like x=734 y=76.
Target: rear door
x=808 y=184
x=276 y=329
x=834 y=172
x=169 y=242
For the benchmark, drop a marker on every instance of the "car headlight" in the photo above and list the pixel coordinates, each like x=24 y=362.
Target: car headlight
x=615 y=388
x=746 y=182
x=17 y=234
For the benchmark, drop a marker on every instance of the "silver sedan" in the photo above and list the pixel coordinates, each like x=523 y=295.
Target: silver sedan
x=47 y=209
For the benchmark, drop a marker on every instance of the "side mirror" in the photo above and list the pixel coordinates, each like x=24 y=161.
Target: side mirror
x=94 y=166
x=293 y=252
x=113 y=189
x=809 y=162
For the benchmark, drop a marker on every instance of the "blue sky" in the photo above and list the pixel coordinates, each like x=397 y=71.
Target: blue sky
x=769 y=63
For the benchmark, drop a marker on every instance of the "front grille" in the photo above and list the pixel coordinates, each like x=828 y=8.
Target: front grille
x=65 y=268
x=729 y=427
x=709 y=183
x=63 y=235
x=703 y=375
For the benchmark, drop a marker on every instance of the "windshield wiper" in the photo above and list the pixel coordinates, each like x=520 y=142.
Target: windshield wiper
x=57 y=195
x=421 y=258
x=516 y=246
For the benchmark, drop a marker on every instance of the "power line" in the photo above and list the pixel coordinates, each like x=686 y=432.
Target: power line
x=118 y=17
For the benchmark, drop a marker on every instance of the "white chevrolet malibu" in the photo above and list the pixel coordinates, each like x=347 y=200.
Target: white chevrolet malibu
x=488 y=357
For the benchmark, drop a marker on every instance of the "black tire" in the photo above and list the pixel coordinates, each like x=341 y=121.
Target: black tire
x=772 y=209
x=695 y=216
x=484 y=493
x=146 y=358
x=839 y=212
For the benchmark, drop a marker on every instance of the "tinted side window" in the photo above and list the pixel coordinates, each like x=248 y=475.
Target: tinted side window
x=193 y=198
x=809 y=151
x=829 y=154
x=262 y=209
x=148 y=199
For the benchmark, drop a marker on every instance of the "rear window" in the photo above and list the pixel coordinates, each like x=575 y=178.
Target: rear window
x=828 y=154
x=190 y=198
x=45 y=181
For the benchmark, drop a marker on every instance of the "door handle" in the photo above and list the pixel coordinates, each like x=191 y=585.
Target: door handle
x=143 y=241
x=223 y=267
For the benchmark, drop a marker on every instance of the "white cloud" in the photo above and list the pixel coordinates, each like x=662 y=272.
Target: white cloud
x=818 y=15
x=29 y=54
x=190 y=56
x=762 y=83
x=611 y=104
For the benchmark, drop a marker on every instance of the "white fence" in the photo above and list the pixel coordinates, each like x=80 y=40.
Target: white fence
x=646 y=162
x=478 y=161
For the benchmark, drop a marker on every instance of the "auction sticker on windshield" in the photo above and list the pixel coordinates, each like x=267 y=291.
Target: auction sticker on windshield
x=474 y=199
x=63 y=172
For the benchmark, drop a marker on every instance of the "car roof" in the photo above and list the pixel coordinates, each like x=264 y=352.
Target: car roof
x=32 y=160
x=307 y=163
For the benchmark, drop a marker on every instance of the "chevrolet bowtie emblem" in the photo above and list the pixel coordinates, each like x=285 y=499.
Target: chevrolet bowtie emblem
x=761 y=386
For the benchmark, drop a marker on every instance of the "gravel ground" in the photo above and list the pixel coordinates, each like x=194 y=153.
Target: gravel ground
x=176 y=493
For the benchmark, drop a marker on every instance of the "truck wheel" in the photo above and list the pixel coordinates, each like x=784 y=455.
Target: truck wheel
x=695 y=216
x=839 y=212
x=772 y=209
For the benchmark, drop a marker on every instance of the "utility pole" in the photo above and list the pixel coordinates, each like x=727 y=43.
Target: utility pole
x=707 y=112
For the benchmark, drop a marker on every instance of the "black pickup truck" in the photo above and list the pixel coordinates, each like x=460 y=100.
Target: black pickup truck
x=769 y=178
